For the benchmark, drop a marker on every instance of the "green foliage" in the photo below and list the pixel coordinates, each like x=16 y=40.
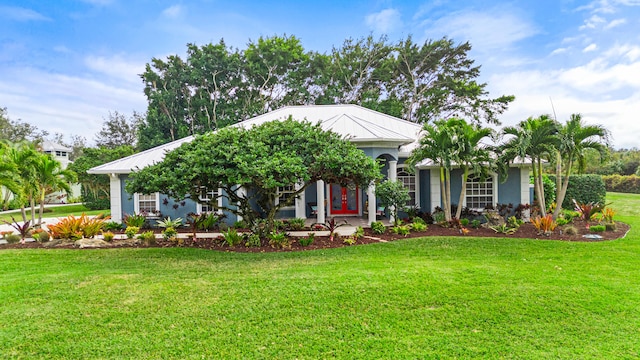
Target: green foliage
x=464 y=221
x=474 y=223
x=587 y=210
x=392 y=195
x=350 y=240
x=131 y=231
x=148 y=238
x=169 y=233
x=168 y=223
x=622 y=184
x=295 y=224
x=279 y=240
x=504 y=229
x=544 y=224
x=610 y=226
x=23 y=228
x=331 y=225
x=112 y=226
x=12 y=238
x=584 y=188
x=137 y=220
x=40 y=235
x=240 y=224
x=75 y=228
x=597 y=228
x=358 y=233
x=419 y=226
x=108 y=236
x=377 y=227
x=308 y=240
x=261 y=160
x=403 y=230
x=252 y=240
x=570 y=230
x=231 y=237
x=549 y=185
x=204 y=221
x=514 y=222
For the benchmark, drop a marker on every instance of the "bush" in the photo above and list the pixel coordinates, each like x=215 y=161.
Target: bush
x=358 y=233
x=464 y=222
x=419 y=226
x=136 y=220
x=231 y=237
x=168 y=223
x=240 y=224
x=475 y=224
x=350 y=240
x=610 y=226
x=108 y=236
x=296 y=224
x=545 y=225
x=131 y=231
x=42 y=236
x=75 y=228
x=148 y=238
x=570 y=230
x=252 y=240
x=12 y=238
x=169 y=233
x=112 y=226
x=585 y=189
x=279 y=240
x=306 y=241
x=400 y=230
x=377 y=227
x=597 y=228
x=624 y=184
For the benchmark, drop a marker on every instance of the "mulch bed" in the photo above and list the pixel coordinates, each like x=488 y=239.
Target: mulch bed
x=527 y=230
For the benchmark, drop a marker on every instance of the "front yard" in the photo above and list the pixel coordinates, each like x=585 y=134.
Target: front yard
x=422 y=298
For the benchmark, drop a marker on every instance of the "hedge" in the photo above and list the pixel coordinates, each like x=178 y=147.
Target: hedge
x=584 y=188
x=622 y=183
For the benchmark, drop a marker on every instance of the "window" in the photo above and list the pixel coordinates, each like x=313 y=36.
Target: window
x=147 y=203
x=480 y=192
x=206 y=198
x=61 y=153
x=409 y=181
x=285 y=193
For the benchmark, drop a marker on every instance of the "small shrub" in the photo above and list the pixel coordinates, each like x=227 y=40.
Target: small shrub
x=475 y=224
x=544 y=225
x=3 y=234
x=12 y=238
x=514 y=223
x=279 y=240
x=607 y=215
x=112 y=226
x=131 y=231
x=562 y=221
x=296 y=224
x=350 y=240
x=148 y=238
x=587 y=210
x=168 y=223
x=464 y=222
x=400 y=230
x=359 y=233
x=418 y=226
x=231 y=237
x=278 y=224
x=504 y=229
x=252 y=240
x=597 y=228
x=169 y=233
x=136 y=220
x=464 y=231
x=240 y=224
x=108 y=236
x=43 y=236
x=570 y=230
x=439 y=218
x=308 y=240
x=377 y=227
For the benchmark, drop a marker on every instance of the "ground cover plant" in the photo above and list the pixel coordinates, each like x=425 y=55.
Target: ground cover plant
x=433 y=297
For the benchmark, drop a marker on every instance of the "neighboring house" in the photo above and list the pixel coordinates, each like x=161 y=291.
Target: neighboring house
x=379 y=135
x=60 y=153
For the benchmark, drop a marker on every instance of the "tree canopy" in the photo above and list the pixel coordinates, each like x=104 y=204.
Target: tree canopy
x=260 y=160
x=217 y=85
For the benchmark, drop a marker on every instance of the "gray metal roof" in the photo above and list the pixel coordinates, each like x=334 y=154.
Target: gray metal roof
x=359 y=124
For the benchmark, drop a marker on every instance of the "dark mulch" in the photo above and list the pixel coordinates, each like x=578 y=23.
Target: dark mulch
x=322 y=242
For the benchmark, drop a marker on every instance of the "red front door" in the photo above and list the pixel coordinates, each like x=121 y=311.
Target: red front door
x=344 y=200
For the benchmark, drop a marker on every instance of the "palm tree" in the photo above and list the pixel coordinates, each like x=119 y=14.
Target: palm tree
x=24 y=156
x=9 y=175
x=439 y=145
x=534 y=138
x=574 y=138
x=471 y=155
x=51 y=177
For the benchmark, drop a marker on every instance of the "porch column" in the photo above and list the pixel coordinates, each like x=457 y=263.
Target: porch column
x=320 y=201
x=392 y=176
x=435 y=194
x=524 y=186
x=372 y=207
x=115 y=192
x=300 y=203
x=240 y=191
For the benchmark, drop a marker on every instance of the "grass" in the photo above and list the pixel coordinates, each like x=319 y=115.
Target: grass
x=421 y=298
x=56 y=211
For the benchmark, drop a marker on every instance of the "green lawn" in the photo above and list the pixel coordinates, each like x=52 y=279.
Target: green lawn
x=422 y=298
x=57 y=211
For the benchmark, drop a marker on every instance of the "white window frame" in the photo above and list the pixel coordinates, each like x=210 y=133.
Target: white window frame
x=290 y=190
x=136 y=202
x=494 y=189
x=201 y=198
x=416 y=178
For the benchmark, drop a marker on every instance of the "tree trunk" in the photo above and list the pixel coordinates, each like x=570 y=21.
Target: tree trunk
x=447 y=210
x=41 y=210
x=563 y=190
x=32 y=202
x=538 y=189
x=463 y=190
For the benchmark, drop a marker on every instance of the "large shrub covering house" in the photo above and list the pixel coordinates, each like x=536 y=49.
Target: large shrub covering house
x=380 y=136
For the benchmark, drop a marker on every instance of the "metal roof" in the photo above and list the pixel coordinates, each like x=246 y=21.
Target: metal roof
x=358 y=124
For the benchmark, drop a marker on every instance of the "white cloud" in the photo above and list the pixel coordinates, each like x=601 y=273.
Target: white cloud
x=558 y=51
x=173 y=11
x=21 y=14
x=592 y=22
x=590 y=47
x=615 y=23
x=494 y=29
x=116 y=66
x=383 y=21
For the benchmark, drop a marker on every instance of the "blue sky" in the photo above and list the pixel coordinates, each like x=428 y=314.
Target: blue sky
x=65 y=64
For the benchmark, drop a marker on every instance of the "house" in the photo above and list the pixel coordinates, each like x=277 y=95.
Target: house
x=380 y=136
x=61 y=154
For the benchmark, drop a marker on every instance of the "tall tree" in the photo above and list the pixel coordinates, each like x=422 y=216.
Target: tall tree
x=9 y=175
x=51 y=177
x=118 y=130
x=535 y=139
x=574 y=138
x=26 y=157
x=16 y=130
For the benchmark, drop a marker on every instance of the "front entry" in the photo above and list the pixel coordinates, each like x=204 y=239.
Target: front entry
x=344 y=200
